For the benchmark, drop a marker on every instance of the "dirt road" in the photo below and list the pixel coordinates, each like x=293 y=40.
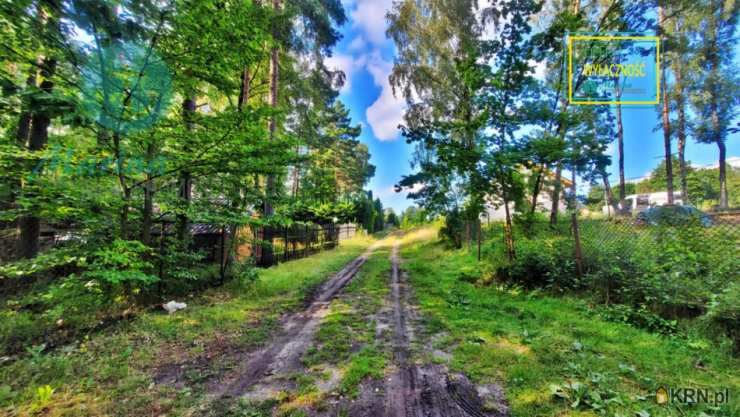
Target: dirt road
x=282 y=354
x=410 y=387
x=427 y=390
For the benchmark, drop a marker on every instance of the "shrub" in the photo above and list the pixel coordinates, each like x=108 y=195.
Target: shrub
x=656 y=273
x=452 y=231
x=18 y=329
x=724 y=312
x=639 y=317
x=617 y=273
x=244 y=274
x=542 y=263
x=122 y=263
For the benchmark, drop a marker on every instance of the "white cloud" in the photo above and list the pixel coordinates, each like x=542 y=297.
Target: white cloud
x=369 y=16
x=416 y=188
x=384 y=192
x=348 y=64
x=611 y=150
x=540 y=68
x=390 y=191
x=386 y=113
x=357 y=44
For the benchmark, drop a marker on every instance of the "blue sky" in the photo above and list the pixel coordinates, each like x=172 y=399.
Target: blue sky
x=366 y=57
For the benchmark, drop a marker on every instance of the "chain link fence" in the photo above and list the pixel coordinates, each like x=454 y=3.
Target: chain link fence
x=643 y=235
x=674 y=264
x=272 y=245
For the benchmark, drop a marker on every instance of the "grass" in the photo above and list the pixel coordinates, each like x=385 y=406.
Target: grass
x=368 y=363
x=111 y=373
x=553 y=356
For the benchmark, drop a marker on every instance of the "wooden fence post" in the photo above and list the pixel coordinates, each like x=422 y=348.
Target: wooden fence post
x=305 y=240
x=161 y=257
x=285 y=243
x=222 y=263
x=479 y=238
x=577 y=245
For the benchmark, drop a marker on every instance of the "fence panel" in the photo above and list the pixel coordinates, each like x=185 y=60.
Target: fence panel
x=601 y=239
x=298 y=241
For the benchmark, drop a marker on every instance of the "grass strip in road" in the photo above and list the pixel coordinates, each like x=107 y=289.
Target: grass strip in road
x=344 y=345
x=111 y=373
x=552 y=354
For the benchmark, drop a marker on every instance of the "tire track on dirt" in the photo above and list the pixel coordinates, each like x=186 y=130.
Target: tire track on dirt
x=427 y=390
x=281 y=355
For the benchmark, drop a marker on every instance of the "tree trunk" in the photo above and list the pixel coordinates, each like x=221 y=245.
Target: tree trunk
x=124 y=213
x=479 y=237
x=508 y=233
x=578 y=252
x=536 y=190
x=678 y=71
x=125 y=189
x=723 y=197
x=666 y=115
x=683 y=168
x=185 y=180
x=295 y=179
x=22 y=135
x=30 y=226
x=267 y=253
x=609 y=194
x=244 y=90
x=556 y=194
x=24 y=121
x=716 y=128
x=620 y=150
x=146 y=221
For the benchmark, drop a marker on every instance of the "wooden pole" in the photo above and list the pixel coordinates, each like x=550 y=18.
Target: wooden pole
x=576 y=232
x=222 y=264
x=285 y=243
x=479 y=238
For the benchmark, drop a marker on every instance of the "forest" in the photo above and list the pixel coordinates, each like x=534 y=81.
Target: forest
x=191 y=224
x=124 y=128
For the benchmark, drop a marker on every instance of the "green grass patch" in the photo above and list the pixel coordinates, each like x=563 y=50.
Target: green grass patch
x=554 y=355
x=349 y=325
x=111 y=373
x=368 y=363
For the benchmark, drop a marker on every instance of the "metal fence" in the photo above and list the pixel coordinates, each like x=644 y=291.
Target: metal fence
x=272 y=245
x=715 y=238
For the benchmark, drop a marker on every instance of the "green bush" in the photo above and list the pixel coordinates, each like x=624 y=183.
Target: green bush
x=452 y=231
x=544 y=263
x=122 y=263
x=655 y=274
x=18 y=329
x=244 y=274
x=724 y=313
x=639 y=317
